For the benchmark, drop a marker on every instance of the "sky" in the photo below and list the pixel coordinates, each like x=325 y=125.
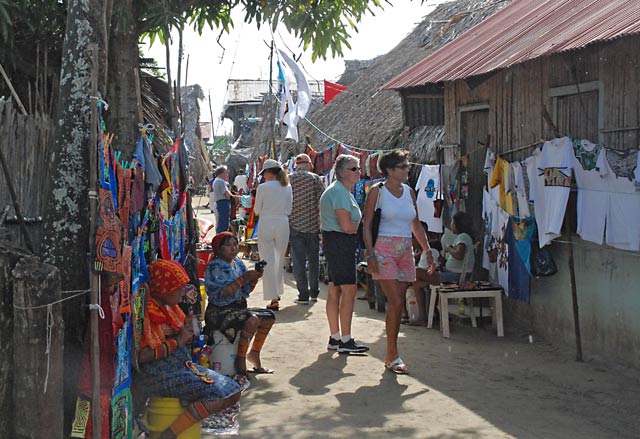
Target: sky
x=246 y=52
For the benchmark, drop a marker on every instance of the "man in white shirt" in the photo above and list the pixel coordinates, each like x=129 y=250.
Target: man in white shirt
x=240 y=182
x=222 y=198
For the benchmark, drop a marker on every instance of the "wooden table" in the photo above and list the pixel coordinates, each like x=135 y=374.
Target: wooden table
x=443 y=293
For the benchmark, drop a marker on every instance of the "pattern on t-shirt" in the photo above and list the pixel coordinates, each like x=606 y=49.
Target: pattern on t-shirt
x=623 y=163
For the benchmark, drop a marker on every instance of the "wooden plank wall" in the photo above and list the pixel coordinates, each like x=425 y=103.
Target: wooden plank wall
x=26 y=144
x=518 y=96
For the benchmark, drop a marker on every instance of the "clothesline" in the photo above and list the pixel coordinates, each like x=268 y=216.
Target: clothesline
x=346 y=144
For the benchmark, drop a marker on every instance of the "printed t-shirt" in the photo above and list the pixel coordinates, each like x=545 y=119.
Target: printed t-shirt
x=489 y=213
x=518 y=238
x=501 y=177
x=337 y=196
x=428 y=191
x=554 y=178
x=623 y=213
x=593 y=198
x=499 y=232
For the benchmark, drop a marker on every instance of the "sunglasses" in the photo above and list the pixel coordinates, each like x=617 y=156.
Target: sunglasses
x=354 y=169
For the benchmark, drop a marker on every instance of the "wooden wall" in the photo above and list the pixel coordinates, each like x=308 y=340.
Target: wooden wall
x=25 y=142
x=517 y=97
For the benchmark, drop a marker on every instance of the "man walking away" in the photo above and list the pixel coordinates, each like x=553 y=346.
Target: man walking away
x=222 y=198
x=304 y=224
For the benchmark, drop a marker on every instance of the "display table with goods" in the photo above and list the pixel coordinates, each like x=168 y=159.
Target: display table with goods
x=472 y=290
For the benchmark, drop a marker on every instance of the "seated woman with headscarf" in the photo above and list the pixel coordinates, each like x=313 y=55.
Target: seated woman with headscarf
x=228 y=284
x=165 y=357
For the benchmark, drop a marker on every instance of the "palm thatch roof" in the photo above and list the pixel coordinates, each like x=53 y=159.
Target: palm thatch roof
x=367 y=117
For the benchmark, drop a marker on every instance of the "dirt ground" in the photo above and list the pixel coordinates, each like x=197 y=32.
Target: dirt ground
x=474 y=385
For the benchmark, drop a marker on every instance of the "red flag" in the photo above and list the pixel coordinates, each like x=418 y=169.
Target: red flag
x=331 y=90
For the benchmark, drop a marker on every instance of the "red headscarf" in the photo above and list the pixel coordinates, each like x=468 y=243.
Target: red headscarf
x=166 y=277
x=217 y=240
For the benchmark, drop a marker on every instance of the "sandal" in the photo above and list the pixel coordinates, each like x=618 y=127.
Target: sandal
x=261 y=370
x=274 y=305
x=397 y=366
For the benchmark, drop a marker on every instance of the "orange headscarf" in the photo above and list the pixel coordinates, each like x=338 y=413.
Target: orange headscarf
x=160 y=319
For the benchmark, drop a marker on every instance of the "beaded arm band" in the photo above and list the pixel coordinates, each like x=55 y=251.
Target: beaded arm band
x=165 y=348
x=237 y=283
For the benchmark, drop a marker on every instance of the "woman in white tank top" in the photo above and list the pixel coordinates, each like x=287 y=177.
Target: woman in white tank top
x=390 y=260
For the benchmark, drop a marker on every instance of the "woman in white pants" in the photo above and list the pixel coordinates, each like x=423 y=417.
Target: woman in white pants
x=273 y=206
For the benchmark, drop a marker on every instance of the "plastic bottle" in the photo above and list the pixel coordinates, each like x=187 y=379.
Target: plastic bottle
x=412 y=305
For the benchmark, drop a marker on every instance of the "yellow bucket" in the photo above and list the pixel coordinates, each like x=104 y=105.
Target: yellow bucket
x=161 y=412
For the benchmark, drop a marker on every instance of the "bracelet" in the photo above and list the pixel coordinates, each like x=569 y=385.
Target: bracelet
x=240 y=280
x=372 y=255
x=165 y=348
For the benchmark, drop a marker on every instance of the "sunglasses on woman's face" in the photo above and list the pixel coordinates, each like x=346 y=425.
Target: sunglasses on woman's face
x=354 y=169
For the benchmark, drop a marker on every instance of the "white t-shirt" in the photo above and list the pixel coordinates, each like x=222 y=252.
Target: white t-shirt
x=427 y=191
x=593 y=200
x=241 y=182
x=555 y=164
x=503 y=249
x=397 y=214
x=489 y=213
x=521 y=193
x=623 y=213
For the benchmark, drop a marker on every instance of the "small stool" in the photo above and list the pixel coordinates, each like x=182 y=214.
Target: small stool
x=160 y=414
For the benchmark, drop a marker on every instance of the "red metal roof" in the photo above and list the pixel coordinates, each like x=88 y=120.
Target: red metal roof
x=524 y=30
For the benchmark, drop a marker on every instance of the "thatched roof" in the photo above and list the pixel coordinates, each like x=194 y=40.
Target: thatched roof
x=367 y=117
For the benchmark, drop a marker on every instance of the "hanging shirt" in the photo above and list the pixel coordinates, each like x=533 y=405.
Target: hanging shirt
x=518 y=238
x=427 y=191
x=554 y=179
x=489 y=213
x=623 y=213
x=500 y=178
x=521 y=194
x=593 y=197
x=500 y=230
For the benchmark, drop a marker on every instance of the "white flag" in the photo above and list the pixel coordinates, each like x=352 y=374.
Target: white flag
x=297 y=110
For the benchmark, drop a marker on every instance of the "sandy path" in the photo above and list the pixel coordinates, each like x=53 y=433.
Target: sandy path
x=474 y=385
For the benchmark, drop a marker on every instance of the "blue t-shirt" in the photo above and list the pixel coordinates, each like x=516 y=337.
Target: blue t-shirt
x=335 y=197
x=219 y=274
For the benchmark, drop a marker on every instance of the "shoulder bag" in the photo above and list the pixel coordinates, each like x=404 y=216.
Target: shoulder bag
x=375 y=221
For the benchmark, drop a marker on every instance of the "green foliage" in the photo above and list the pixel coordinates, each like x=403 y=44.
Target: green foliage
x=322 y=25
x=221 y=146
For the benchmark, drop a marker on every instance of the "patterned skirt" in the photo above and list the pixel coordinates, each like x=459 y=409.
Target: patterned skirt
x=177 y=377
x=230 y=319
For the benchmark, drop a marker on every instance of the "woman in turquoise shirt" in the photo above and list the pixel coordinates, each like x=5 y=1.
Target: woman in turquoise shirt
x=339 y=218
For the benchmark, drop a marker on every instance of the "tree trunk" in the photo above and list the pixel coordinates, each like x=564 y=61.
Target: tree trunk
x=66 y=221
x=66 y=225
x=122 y=118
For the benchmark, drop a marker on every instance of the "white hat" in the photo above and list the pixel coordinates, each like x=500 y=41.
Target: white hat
x=270 y=164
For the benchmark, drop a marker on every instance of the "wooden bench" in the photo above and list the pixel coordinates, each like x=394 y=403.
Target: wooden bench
x=443 y=293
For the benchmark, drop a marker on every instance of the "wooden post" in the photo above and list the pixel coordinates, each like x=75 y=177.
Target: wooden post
x=96 y=412
x=574 y=298
x=38 y=338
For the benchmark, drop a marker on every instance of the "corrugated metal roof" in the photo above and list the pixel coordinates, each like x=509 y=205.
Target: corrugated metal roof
x=524 y=30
